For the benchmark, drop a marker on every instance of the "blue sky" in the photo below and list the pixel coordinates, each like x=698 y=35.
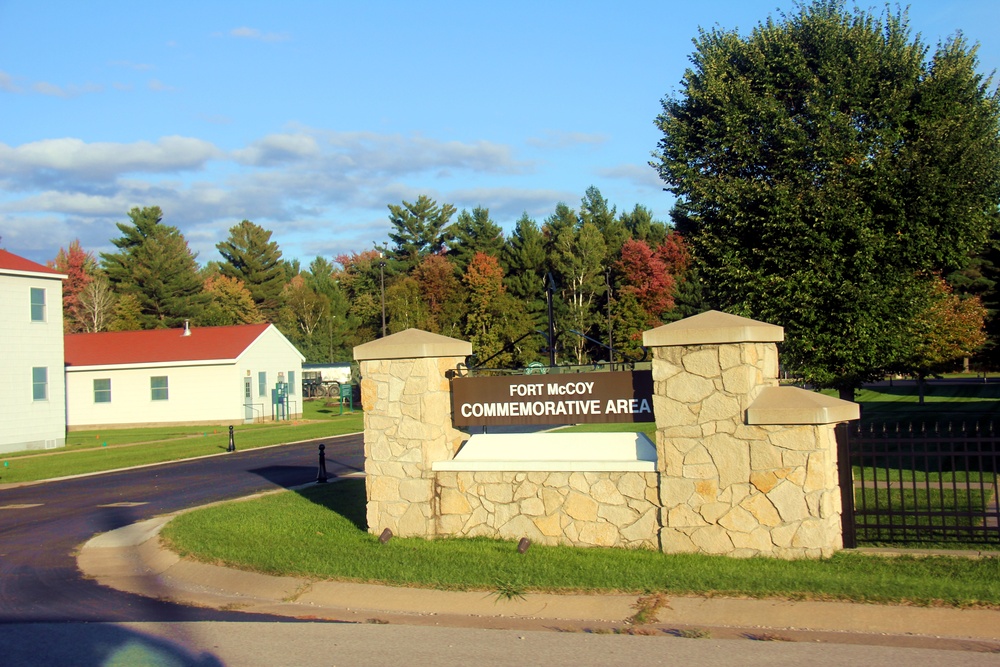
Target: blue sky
x=308 y=118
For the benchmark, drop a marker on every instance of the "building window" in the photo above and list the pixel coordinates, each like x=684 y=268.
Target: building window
x=262 y=383
x=291 y=382
x=158 y=388
x=37 y=304
x=102 y=390
x=40 y=383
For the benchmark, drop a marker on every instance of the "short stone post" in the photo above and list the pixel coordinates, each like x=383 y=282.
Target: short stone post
x=406 y=396
x=746 y=467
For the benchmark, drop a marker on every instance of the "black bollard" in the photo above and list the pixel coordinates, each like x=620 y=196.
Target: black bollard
x=232 y=442
x=321 y=475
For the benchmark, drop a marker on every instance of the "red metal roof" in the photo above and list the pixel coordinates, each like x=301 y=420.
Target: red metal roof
x=160 y=345
x=11 y=262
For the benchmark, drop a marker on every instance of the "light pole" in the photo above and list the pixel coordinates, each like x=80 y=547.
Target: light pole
x=381 y=279
x=611 y=338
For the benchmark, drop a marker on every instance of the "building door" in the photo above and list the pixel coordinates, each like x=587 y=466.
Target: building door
x=247 y=400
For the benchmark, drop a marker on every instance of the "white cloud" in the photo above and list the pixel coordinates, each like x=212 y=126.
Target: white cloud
x=278 y=148
x=253 y=33
x=139 y=67
x=90 y=161
x=216 y=119
x=7 y=83
x=73 y=203
x=558 y=140
x=158 y=86
x=52 y=90
x=397 y=154
x=640 y=175
x=321 y=192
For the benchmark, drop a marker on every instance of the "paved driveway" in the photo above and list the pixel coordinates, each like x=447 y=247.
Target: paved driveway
x=41 y=525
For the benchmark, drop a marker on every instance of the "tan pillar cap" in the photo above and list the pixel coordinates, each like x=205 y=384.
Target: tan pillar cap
x=791 y=405
x=412 y=344
x=713 y=327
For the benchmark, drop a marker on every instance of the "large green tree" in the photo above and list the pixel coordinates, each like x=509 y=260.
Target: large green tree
x=253 y=258
x=823 y=163
x=156 y=268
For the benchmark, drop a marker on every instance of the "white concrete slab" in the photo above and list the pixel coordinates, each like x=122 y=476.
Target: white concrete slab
x=569 y=452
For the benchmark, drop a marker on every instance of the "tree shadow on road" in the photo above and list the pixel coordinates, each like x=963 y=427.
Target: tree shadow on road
x=92 y=645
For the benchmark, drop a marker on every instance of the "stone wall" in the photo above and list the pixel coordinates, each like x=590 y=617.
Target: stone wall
x=729 y=486
x=744 y=467
x=606 y=509
x=407 y=414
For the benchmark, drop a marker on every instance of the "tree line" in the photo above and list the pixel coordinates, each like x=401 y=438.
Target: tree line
x=609 y=276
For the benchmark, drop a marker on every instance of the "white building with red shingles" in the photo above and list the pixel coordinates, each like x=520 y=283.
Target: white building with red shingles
x=32 y=383
x=196 y=375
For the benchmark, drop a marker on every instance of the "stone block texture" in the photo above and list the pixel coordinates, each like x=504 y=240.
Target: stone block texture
x=602 y=509
x=730 y=488
x=407 y=404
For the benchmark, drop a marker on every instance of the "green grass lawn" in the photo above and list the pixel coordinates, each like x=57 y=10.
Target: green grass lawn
x=111 y=449
x=320 y=532
x=943 y=402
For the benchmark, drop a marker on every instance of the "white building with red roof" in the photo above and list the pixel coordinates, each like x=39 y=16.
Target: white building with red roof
x=196 y=375
x=33 y=390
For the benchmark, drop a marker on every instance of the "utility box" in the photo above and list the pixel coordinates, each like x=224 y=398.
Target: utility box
x=346 y=393
x=279 y=402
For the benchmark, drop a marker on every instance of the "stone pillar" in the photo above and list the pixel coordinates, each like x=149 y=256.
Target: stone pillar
x=746 y=468
x=406 y=397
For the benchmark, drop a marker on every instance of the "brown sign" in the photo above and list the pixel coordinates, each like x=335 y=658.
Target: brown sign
x=580 y=398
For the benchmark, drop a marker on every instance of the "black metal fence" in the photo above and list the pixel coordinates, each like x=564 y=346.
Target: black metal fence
x=920 y=484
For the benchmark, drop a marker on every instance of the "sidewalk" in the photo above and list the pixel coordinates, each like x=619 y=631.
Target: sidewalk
x=132 y=559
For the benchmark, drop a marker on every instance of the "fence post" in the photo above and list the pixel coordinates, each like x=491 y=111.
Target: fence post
x=846 y=473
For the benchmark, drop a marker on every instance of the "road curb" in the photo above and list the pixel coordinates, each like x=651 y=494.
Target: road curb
x=133 y=559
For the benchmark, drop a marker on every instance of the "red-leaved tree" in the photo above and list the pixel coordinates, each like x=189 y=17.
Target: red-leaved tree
x=79 y=267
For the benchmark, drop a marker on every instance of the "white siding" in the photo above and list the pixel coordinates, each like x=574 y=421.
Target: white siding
x=273 y=354
x=196 y=393
x=24 y=422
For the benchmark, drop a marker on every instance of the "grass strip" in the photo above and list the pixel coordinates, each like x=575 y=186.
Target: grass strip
x=320 y=532
x=132 y=447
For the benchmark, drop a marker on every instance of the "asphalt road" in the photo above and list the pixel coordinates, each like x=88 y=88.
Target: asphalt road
x=41 y=526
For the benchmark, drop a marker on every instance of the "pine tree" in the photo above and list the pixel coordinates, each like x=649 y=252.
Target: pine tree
x=419 y=229
x=472 y=233
x=596 y=210
x=524 y=264
x=156 y=267
x=253 y=258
